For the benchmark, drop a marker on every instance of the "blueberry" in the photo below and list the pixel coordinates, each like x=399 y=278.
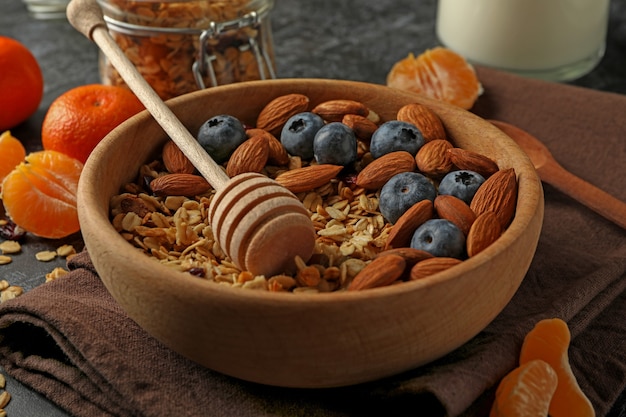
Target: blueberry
x=335 y=143
x=220 y=136
x=439 y=237
x=461 y=184
x=298 y=133
x=402 y=191
x=396 y=135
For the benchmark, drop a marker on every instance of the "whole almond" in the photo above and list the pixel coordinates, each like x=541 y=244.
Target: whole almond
x=362 y=127
x=335 y=110
x=380 y=170
x=433 y=158
x=426 y=120
x=382 y=271
x=498 y=194
x=402 y=231
x=250 y=156
x=455 y=210
x=485 y=230
x=473 y=161
x=308 y=178
x=277 y=153
x=411 y=255
x=276 y=113
x=175 y=160
x=188 y=185
x=431 y=266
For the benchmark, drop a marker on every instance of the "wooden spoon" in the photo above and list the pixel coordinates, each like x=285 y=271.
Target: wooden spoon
x=551 y=172
x=258 y=223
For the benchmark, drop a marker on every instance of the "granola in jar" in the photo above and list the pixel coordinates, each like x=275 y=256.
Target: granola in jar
x=182 y=46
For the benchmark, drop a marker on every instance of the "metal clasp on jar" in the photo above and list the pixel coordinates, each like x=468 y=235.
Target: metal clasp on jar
x=243 y=33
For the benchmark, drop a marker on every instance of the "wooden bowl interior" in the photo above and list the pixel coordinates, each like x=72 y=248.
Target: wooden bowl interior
x=319 y=340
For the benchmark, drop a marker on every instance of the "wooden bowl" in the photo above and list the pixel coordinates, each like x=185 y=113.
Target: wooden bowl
x=305 y=340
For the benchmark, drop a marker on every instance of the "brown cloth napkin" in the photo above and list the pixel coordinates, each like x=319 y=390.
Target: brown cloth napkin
x=70 y=341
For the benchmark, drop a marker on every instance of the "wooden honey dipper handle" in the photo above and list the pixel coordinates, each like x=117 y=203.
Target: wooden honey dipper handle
x=86 y=16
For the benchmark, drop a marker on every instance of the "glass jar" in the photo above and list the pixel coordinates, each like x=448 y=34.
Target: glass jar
x=185 y=45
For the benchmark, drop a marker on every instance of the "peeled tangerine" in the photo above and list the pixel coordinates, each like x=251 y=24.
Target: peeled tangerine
x=437 y=73
x=39 y=194
x=12 y=152
x=549 y=340
x=543 y=384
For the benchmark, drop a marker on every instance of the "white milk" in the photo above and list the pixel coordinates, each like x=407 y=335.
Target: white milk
x=527 y=36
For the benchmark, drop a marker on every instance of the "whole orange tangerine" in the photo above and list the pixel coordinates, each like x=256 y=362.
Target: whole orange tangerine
x=21 y=83
x=80 y=118
x=39 y=195
x=12 y=152
x=438 y=73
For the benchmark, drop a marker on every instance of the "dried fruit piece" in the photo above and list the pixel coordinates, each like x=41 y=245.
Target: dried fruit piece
x=485 y=230
x=526 y=391
x=549 y=341
x=250 y=156
x=431 y=266
x=433 y=159
x=308 y=178
x=456 y=210
x=427 y=121
x=380 y=272
x=497 y=194
x=276 y=113
x=402 y=231
x=380 y=170
x=335 y=110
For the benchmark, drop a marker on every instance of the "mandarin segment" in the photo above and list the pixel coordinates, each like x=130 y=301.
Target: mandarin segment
x=12 y=152
x=39 y=195
x=549 y=341
x=526 y=391
x=438 y=73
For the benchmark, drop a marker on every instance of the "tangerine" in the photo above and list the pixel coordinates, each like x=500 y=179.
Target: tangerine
x=39 y=195
x=12 y=152
x=549 y=341
x=21 y=83
x=80 y=118
x=438 y=73
x=526 y=391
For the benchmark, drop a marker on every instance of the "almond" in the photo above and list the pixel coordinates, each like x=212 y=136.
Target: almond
x=362 y=127
x=455 y=210
x=433 y=158
x=380 y=170
x=175 y=160
x=382 y=271
x=498 y=194
x=276 y=113
x=308 y=178
x=335 y=110
x=277 y=153
x=250 y=156
x=188 y=185
x=426 y=120
x=473 y=161
x=485 y=230
x=411 y=256
x=431 y=266
x=402 y=231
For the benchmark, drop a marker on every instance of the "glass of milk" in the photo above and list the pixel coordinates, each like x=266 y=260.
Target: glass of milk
x=557 y=40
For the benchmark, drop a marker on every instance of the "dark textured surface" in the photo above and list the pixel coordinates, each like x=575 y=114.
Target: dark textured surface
x=355 y=40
